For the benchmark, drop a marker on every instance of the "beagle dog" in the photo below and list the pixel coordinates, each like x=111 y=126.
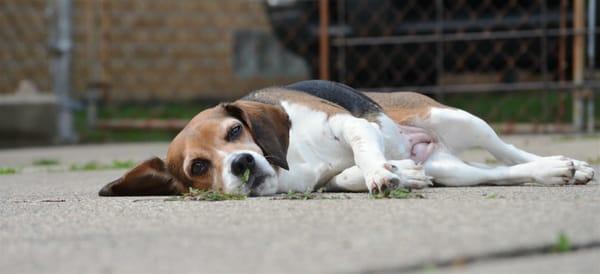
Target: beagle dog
x=320 y=134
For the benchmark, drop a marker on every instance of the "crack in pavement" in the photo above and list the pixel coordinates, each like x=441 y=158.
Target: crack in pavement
x=486 y=257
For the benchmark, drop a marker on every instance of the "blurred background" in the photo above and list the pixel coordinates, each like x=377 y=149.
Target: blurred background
x=87 y=71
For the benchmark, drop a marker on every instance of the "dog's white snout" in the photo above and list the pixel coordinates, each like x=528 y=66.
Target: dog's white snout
x=242 y=168
x=241 y=163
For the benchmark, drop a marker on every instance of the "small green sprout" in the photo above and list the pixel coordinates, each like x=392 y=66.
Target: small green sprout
x=206 y=195
x=563 y=244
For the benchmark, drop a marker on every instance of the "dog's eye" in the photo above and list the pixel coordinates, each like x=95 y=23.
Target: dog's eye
x=234 y=132
x=199 y=167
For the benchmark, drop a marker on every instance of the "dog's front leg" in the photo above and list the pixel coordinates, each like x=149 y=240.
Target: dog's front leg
x=366 y=141
x=352 y=179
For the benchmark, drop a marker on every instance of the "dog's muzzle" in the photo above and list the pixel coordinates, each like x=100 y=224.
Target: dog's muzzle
x=241 y=163
x=246 y=162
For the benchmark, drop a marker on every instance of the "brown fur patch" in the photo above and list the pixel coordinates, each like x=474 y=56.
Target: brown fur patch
x=276 y=95
x=151 y=177
x=269 y=125
x=204 y=138
x=403 y=107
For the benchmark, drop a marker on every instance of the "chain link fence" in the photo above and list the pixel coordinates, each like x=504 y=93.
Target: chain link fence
x=518 y=61
x=515 y=62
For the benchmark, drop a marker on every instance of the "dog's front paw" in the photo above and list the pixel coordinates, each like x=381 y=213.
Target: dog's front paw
x=411 y=175
x=381 y=179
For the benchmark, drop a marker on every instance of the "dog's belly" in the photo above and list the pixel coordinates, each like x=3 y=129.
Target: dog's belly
x=419 y=142
x=403 y=142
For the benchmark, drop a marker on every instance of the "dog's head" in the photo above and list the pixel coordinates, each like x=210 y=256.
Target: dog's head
x=233 y=148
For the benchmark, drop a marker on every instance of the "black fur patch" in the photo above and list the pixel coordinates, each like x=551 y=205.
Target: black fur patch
x=352 y=100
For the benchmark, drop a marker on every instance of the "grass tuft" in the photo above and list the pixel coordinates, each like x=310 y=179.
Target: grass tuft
x=206 y=195
x=397 y=193
x=309 y=195
x=7 y=170
x=291 y=195
x=89 y=166
x=116 y=164
x=93 y=165
x=45 y=162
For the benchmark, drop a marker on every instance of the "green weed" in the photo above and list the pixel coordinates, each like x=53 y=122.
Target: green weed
x=291 y=195
x=397 y=193
x=206 y=195
x=7 y=170
x=93 y=165
x=45 y=162
x=563 y=244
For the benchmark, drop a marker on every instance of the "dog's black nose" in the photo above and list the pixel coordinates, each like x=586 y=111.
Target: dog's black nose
x=241 y=163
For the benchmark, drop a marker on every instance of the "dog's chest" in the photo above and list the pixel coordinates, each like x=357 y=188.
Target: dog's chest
x=315 y=154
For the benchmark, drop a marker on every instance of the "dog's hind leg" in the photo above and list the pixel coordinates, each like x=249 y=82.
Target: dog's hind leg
x=459 y=130
x=448 y=170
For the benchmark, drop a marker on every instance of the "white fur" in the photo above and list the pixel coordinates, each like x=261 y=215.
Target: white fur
x=458 y=130
x=234 y=184
x=321 y=147
x=343 y=152
x=315 y=152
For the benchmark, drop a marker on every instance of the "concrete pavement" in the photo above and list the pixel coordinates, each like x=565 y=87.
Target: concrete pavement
x=54 y=222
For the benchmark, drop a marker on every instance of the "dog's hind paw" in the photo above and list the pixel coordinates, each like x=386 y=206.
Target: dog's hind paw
x=553 y=170
x=584 y=172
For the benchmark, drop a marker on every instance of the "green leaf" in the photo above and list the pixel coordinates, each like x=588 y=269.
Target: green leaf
x=246 y=176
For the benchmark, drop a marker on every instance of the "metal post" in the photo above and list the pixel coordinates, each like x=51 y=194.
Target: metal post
x=591 y=54
x=324 y=39
x=562 y=60
x=60 y=67
x=341 y=36
x=578 y=62
x=562 y=46
x=439 y=48
x=544 y=62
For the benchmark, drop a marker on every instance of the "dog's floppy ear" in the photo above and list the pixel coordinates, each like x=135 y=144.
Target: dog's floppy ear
x=151 y=177
x=269 y=125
